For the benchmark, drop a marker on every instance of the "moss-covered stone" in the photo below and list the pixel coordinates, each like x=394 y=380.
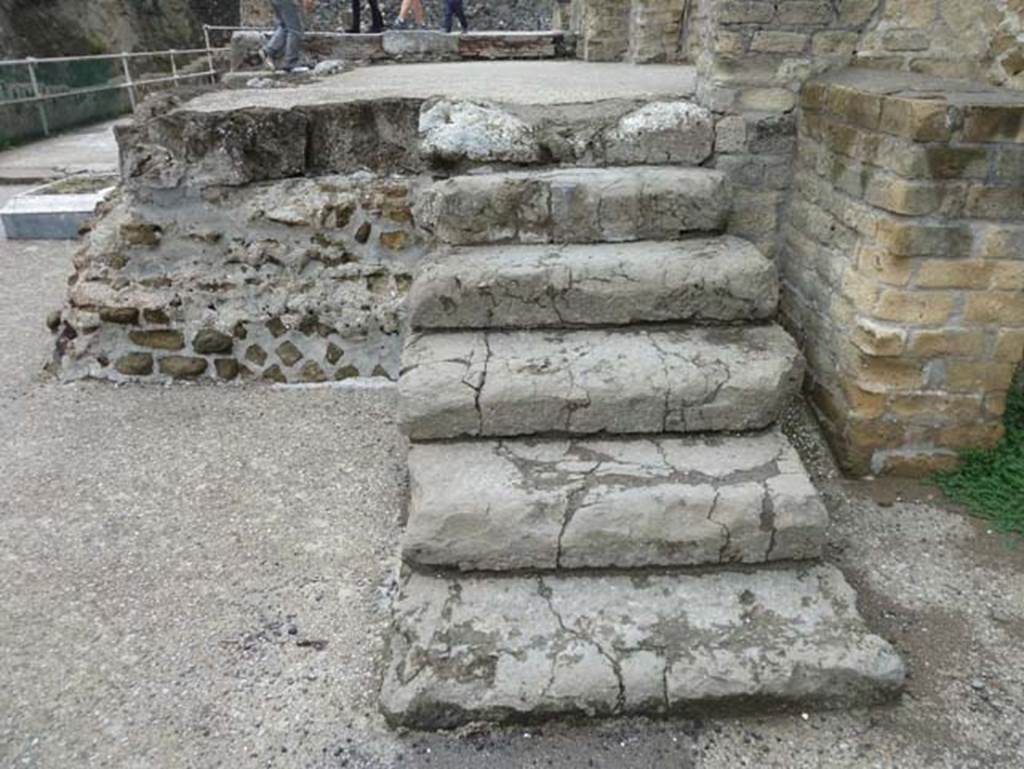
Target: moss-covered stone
x=346 y=372
x=156 y=317
x=274 y=374
x=135 y=364
x=334 y=353
x=127 y=316
x=256 y=354
x=209 y=341
x=183 y=366
x=159 y=339
x=276 y=327
x=289 y=354
x=311 y=372
x=227 y=368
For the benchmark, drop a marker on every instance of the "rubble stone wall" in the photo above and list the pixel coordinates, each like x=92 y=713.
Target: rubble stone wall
x=903 y=268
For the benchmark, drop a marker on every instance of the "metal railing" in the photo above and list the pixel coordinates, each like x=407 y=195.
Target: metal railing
x=40 y=95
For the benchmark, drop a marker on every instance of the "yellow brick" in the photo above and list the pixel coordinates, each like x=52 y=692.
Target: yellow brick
x=1010 y=345
x=975 y=376
x=954 y=273
x=995 y=404
x=1008 y=275
x=1003 y=307
x=884 y=375
x=1003 y=243
x=949 y=341
x=918 y=307
x=971 y=436
x=918 y=119
x=928 y=406
x=863 y=404
x=918 y=464
x=878 y=339
x=915 y=238
x=860 y=290
x=995 y=202
x=902 y=196
x=875 y=434
x=876 y=263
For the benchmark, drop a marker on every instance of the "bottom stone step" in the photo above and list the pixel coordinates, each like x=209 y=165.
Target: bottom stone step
x=501 y=505
x=468 y=648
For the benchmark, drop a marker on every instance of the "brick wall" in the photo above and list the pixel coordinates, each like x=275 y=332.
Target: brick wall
x=904 y=264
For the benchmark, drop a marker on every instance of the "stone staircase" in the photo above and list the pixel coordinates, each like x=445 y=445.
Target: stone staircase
x=590 y=385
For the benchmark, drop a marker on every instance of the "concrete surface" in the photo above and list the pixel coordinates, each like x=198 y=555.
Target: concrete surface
x=158 y=545
x=85 y=150
x=48 y=217
x=9 y=192
x=522 y=82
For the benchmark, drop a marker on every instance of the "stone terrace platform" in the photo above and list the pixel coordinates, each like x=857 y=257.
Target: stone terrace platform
x=518 y=82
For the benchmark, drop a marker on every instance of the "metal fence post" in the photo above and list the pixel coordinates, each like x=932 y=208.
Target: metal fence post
x=128 y=79
x=209 y=53
x=35 y=90
x=174 y=69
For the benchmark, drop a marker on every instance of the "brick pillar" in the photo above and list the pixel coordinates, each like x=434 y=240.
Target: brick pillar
x=904 y=264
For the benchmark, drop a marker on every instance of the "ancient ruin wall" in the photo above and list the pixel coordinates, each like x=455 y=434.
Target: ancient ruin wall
x=903 y=267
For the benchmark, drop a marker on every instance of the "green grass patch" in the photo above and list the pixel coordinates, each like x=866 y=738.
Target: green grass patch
x=990 y=483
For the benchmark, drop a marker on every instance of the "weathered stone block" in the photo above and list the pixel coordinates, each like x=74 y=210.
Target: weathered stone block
x=704 y=280
x=158 y=339
x=506 y=649
x=610 y=503
x=183 y=367
x=584 y=382
x=453 y=131
x=674 y=133
x=575 y=206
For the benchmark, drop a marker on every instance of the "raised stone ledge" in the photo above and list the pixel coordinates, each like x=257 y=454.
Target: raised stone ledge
x=618 y=381
x=604 y=502
x=919 y=107
x=370 y=119
x=708 y=280
x=483 y=648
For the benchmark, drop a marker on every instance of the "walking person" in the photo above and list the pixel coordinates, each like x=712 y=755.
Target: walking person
x=376 y=20
x=456 y=9
x=287 y=37
x=417 y=11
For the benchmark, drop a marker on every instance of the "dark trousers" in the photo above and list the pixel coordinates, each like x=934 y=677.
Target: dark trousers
x=376 y=20
x=454 y=8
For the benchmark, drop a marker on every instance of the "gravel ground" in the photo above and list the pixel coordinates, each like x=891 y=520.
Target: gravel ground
x=198 y=577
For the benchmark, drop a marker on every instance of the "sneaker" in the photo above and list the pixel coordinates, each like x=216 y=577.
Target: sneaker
x=401 y=23
x=297 y=70
x=268 y=63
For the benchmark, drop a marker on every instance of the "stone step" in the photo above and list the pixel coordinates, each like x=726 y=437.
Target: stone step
x=576 y=205
x=598 y=502
x=634 y=380
x=716 y=280
x=472 y=648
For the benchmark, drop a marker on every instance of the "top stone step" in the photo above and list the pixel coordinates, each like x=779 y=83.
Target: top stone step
x=423 y=118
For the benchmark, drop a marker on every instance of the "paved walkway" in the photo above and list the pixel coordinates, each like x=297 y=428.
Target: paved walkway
x=84 y=150
x=197 y=577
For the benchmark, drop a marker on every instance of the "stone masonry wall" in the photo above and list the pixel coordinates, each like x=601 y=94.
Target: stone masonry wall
x=252 y=244
x=977 y=39
x=640 y=31
x=904 y=264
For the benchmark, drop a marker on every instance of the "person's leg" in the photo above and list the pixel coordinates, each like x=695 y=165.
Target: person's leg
x=293 y=21
x=449 y=9
x=357 y=7
x=417 y=12
x=460 y=12
x=277 y=41
x=403 y=12
x=376 y=20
